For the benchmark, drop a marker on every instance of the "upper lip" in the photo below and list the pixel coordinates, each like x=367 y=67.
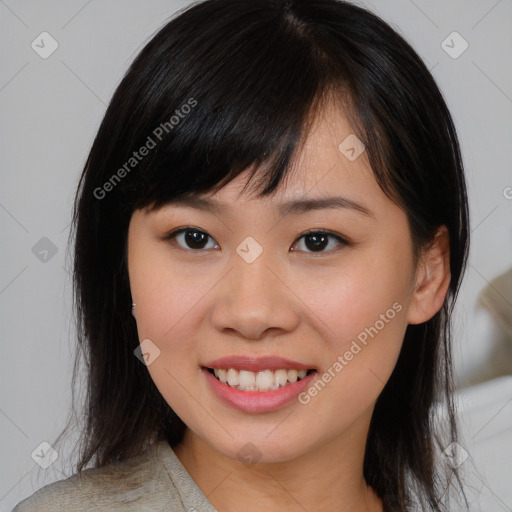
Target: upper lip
x=256 y=364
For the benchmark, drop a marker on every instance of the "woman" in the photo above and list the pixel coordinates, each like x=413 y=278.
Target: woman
x=271 y=230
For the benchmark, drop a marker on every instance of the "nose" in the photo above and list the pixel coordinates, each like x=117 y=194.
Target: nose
x=254 y=301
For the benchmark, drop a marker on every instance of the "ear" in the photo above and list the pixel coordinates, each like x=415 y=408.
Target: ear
x=432 y=279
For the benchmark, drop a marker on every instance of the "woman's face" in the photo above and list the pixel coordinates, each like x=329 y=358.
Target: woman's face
x=245 y=283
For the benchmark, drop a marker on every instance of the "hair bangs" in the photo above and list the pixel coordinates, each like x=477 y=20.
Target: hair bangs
x=253 y=107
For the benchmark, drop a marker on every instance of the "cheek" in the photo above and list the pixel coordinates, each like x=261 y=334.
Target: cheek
x=361 y=313
x=162 y=291
x=166 y=302
x=353 y=298
x=171 y=308
x=166 y=313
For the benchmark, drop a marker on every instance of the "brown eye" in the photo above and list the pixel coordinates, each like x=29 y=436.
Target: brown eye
x=317 y=241
x=195 y=239
x=190 y=238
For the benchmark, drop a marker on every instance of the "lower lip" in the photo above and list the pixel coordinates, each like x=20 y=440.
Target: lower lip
x=258 y=401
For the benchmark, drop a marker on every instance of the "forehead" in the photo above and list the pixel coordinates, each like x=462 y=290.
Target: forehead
x=330 y=167
x=332 y=161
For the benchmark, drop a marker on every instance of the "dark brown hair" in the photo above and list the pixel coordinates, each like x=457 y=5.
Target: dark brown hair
x=254 y=74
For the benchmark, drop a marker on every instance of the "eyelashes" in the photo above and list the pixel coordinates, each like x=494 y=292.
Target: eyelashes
x=314 y=241
x=192 y=235
x=319 y=238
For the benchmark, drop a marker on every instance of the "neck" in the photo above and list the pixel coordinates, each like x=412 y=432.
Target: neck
x=327 y=478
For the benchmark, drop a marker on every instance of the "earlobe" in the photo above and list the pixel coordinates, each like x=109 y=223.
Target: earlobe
x=432 y=279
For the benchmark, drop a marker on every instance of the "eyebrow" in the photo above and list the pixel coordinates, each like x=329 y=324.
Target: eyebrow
x=292 y=207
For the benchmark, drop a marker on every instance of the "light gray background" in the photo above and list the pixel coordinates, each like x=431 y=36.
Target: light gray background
x=50 y=111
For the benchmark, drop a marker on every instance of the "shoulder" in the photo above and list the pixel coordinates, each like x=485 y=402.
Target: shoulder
x=138 y=483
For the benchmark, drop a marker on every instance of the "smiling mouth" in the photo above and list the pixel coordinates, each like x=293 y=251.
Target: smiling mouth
x=265 y=380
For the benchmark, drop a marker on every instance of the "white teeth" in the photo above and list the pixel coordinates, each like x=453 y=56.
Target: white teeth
x=280 y=377
x=292 y=375
x=247 y=380
x=232 y=377
x=265 y=380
